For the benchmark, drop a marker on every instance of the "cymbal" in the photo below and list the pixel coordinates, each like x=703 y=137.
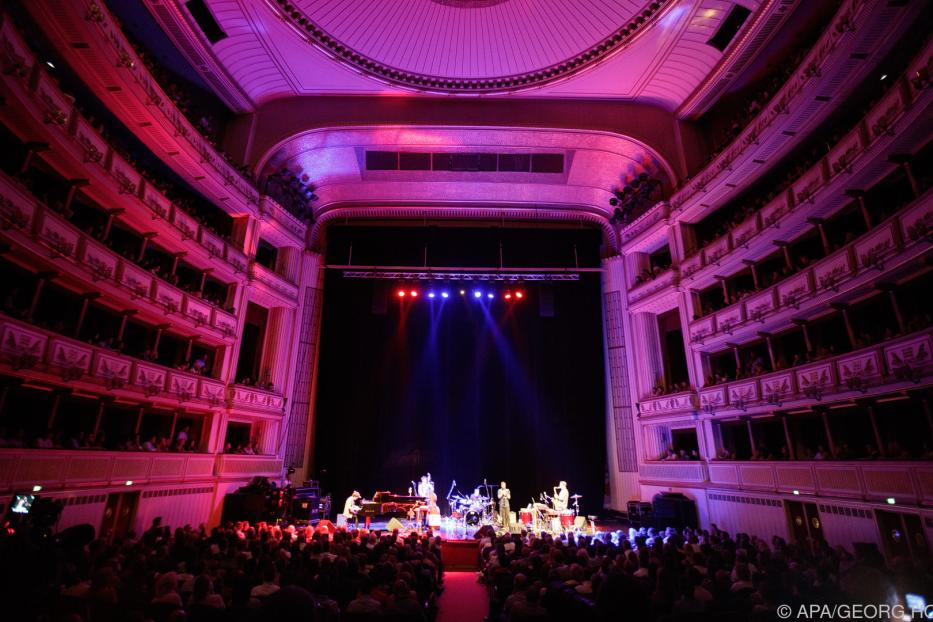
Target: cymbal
x=576 y=496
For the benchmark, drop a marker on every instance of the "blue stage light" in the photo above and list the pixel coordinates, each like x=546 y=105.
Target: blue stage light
x=490 y=295
x=430 y=294
x=445 y=295
x=477 y=293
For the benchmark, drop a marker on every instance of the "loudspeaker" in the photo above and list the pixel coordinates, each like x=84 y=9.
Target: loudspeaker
x=672 y=509
x=394 y=524
x=325 y=526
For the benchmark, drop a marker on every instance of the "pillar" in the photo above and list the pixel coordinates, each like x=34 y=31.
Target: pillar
x=82 y=314
x=753 y=267
x=843 y=309
x=41 y=279
x=891 y=289
x=56 y=402
x=111 y=216
x=203 y=281
x=903 y=160
x=725 y=288
x=804 y=327
x=785 y=250
x=829 y=433
x=32 y=148
x=145 y=245
x=767 y=338
x=73 y=185
x=818 y=223
x=859 y=195
x=791 y=454
x=876 y=431
x=158 y=336
x=101 y=404
x=124 y=317
x=751 y=435
x=738 y=357
x=175 y=258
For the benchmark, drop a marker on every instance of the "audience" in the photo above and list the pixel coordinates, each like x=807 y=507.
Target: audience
x=236 y=572
x=676 y=575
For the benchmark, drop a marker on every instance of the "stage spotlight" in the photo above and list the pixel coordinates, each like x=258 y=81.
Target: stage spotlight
x=477 y=293
x=462 y=292
x=430 y=294
x=519 y=294
x=413 y=293
x=490 y=295
x=445 y=295
x=508 y=296
x=401 y=293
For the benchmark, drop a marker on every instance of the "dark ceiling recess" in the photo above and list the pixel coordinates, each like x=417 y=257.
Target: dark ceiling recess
x=465 y=162
x=729 y=27
x=205 y=20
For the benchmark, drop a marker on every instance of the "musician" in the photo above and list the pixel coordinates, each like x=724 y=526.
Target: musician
x=351 y=507
x=561 y=497
x=425 y=487
x=504 y=495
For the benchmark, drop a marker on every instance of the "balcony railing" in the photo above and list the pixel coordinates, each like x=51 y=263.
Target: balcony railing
x=25 y=346
x=56 y=110
x=828 y=59
x=860 y=260
x=19 y=211
x=903 y=360
x=669 y=404
x=251 y=398
x=238 y=466
x=681 y=472
x=21 y=469
x=851 y=152
x=875 y=480
x=274 y=281
x=668 y=278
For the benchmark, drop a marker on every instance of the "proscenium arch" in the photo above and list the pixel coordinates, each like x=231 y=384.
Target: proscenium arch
x=251 y=137
x=334 y=160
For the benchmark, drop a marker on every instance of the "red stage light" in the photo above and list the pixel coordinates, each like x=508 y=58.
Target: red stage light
x=413 y=294
x=519 y=294
x=401 y=294
x=508 y=296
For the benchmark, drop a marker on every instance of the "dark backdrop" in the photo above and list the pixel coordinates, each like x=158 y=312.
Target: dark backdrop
x=461 y=388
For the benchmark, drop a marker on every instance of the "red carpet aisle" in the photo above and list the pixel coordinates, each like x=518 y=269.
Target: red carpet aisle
x=463 y=600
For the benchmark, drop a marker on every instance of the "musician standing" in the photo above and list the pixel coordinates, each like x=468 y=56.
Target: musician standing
x=504 y=515
x=561 y=497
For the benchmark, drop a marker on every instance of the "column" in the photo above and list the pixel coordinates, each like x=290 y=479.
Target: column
x=804 y=327
x=767 y=338
x=738 y=357
x=829 y=433
x=101 y=405
x=158 y=336
x=82 y=314
x=891 y=289
x=32 y=148
x=145 y=245
x=859 y=195
x=623 y=442
x=203 y=281
x=843 y=309
x=73 y=185
x=111 y=216
x=753 y=267
x=903 y=160
x=787 y=437
x=725 y=288
x=876 y=430
x=124 y=317
x=56 y=402
x=751 y=435
x=175 y=258
x=42 y=278
x=785 y=250
x=818 y=223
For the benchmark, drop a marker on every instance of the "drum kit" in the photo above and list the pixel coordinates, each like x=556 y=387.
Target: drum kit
x=541 y=515
x=473 y=510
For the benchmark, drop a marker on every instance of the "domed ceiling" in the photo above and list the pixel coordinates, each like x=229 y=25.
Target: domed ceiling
x=470 y=45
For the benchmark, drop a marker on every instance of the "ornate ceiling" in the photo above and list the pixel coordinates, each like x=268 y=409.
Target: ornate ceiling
x=650 y=51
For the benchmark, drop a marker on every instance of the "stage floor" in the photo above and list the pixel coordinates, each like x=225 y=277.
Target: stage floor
x=451 y=529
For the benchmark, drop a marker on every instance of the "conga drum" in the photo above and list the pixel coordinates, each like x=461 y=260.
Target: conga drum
x=566 y=519
x=526 y=516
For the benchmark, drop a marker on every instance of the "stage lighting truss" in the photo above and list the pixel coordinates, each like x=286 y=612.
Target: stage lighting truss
x=509 y=277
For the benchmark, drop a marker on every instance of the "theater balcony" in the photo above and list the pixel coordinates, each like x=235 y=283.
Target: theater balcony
x=897 y=363
x=900 y=482
x=46 y=120
x=98 y=51
x=56 y=469
x=30 y=351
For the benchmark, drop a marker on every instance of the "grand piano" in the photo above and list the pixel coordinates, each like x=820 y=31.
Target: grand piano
x=388 y=504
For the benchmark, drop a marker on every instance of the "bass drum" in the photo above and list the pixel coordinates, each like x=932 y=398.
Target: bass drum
x=472 y=518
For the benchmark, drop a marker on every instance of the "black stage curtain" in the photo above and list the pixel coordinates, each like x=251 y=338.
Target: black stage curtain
x=463 y=388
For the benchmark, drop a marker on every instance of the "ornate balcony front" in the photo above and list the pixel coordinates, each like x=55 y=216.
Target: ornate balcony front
x=876 y=480
x=675 y=403
x=250 y=398
x=24 y=347
x=239 y=466
x=899 y=362
x=21 y=469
